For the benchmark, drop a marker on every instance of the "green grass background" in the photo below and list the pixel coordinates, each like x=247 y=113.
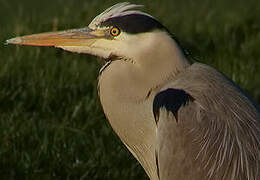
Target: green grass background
x=51 y=121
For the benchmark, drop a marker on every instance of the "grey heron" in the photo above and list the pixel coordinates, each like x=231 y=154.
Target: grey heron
x=180 y=120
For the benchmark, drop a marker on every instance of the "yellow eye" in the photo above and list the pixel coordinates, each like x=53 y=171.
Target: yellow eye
x=115 y=31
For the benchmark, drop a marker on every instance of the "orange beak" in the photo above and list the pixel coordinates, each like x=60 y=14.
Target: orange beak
x=74 y=37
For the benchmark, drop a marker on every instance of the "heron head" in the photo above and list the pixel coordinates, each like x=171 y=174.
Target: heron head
x=119 y=32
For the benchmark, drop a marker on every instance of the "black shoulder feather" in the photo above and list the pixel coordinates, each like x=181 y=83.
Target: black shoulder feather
x=170 y=99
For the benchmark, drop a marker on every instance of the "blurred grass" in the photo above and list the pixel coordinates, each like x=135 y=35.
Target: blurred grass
x=51 y=122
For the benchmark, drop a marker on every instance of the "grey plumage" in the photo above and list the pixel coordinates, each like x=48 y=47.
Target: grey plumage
x=180 y=120
x=220 y=129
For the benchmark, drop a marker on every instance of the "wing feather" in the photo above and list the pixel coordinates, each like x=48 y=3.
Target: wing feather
x=217 y=135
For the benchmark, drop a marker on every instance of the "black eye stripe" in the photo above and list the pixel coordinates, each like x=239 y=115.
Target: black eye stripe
x=134 y=23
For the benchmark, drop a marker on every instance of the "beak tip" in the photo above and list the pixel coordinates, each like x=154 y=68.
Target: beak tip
x=7 y=42
x=16 y=40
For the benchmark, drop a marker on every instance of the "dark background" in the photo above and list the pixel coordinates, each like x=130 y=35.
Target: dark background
x=51 y=122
